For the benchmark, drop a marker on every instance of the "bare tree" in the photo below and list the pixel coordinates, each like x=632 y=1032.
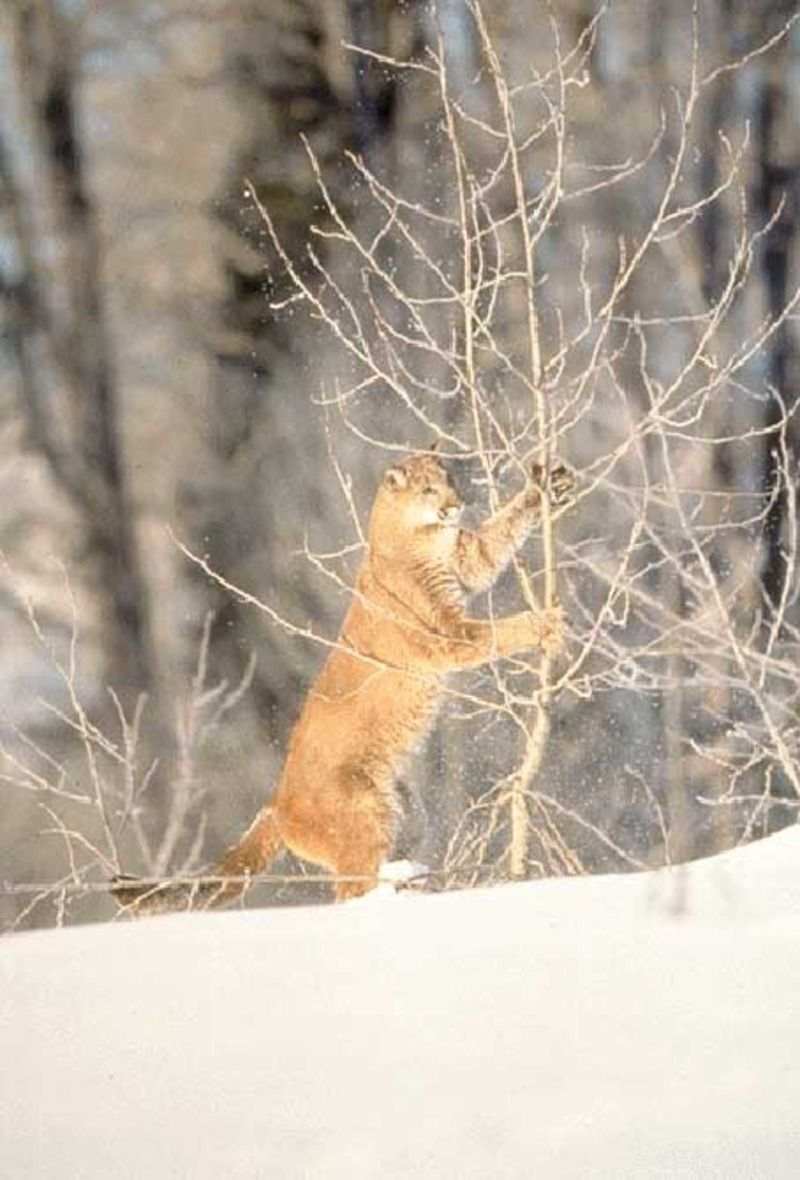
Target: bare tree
x=524 y=389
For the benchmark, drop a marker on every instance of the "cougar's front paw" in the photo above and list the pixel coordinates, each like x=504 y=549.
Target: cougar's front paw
x=549 y=628
x=558 y=483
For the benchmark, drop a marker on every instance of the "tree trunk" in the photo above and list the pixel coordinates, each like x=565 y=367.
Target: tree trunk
x=777 y=181
x=68 y=385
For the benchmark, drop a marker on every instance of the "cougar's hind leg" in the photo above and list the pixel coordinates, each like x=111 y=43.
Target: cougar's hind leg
x=362 y=871
x=363 y=845
x=345 y=824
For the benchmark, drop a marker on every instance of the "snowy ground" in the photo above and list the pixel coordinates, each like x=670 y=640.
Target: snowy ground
x=612 y=1027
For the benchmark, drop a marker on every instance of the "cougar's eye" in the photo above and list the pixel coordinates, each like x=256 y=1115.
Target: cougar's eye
x=429 y=491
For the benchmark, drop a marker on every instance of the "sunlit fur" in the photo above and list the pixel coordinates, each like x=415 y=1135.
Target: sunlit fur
x=373 y=701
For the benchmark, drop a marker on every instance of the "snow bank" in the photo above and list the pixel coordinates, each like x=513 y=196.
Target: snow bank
x=611 y=1027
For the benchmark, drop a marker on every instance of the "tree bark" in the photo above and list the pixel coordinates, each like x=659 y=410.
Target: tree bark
x=778 y=179
x=68 y=386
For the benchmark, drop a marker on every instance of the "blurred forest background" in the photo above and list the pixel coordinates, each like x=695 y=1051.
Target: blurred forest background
x=163 y=383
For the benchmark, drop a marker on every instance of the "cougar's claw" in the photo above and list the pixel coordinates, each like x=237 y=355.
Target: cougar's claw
x=558 y=483
x=551 y=630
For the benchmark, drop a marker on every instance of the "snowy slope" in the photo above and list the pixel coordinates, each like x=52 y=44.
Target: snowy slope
x=611 y=1027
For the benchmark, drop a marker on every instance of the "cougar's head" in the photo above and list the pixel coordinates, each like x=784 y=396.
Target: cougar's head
x=419 y=494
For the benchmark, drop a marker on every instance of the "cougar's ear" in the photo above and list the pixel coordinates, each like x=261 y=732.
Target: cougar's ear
x=396 y=478
x=434 y=447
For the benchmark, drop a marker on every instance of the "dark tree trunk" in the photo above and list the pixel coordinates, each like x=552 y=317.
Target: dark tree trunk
x=59 y=332
x=777 y=181
x=712 y=228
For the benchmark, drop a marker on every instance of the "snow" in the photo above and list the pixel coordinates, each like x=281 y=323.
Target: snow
x=619 y=1027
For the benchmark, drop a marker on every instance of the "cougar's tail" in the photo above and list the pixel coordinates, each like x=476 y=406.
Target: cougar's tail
x=258 y=846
